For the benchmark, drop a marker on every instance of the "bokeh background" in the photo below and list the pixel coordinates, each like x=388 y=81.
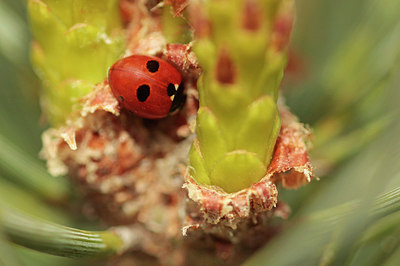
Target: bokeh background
x=342 y=79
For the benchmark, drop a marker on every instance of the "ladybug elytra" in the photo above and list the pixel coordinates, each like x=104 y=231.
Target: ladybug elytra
x=147 y=86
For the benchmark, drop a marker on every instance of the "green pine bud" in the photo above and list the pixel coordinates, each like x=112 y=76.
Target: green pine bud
x=238 y=121
x=74 y=44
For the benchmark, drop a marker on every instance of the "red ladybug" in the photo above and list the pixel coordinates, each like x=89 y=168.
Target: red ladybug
x=147 y=86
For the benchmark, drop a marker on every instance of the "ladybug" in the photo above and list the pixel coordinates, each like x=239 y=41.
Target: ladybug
x=147 y=86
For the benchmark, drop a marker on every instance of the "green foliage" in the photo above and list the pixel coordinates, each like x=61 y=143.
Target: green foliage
x=74 y=44
x=238 y=121
x=33 y=175
x=352 y=74
x=349 y=93
x=351 y=218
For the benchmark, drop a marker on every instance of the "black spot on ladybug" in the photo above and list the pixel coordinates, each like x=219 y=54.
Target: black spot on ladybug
x=152 y=66
x=143 y=92
x=121 y=98
x=171 y=89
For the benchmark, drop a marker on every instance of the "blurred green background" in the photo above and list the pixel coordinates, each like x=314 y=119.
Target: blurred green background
x=344 y=82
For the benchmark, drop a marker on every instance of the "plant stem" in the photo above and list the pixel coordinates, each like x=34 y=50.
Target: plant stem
x=57 y=239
